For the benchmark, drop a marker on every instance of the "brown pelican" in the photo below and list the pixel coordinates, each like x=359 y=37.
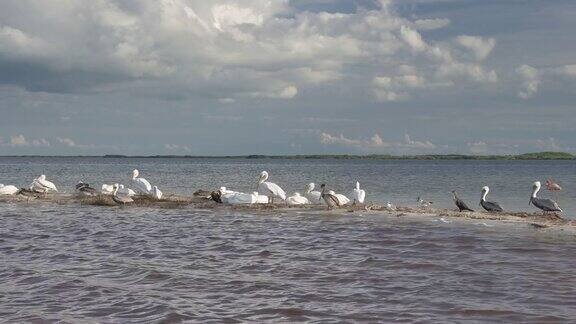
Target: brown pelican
x=460 y=203
x=85 y=189
x=545 y=204
x=330 y=199
x=269 y=189
x=489 y=205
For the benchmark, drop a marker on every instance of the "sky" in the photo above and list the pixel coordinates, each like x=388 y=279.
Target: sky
x=238 y=77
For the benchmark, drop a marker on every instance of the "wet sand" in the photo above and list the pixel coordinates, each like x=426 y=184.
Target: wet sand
x=538 y=220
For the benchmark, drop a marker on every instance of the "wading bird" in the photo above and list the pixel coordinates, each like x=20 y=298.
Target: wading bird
x=85 y=189
x=489 y=205
x=460 y=203
x=545 y=204
x=269 y=189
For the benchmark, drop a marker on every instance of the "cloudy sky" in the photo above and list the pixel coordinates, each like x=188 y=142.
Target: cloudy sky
x=287 y=76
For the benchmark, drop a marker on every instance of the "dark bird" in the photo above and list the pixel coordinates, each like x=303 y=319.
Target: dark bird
x=330 y=199
x=545 y=204
x=489 y=205
x=85 y=189
x=216 y=196
x=460 y=203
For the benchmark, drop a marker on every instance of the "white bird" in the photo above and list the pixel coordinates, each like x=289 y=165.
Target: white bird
x=314 y=196
x=341 y=198
x=107 y=189
x=238 y=198
x=156 y=193
x=269 y=189
x=121 y=198
x=296 y=200
x=141 y=185
x=8 y=190
x=358 y=194
x=42 y=185
x=125 y=191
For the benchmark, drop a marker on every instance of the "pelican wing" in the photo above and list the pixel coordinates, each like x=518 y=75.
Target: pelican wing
x=142 y=185
x=271 y=189
x=240 y=198
x=359 y=195
x=546 y=204
x=342 y=199
x=491 y=206
x=297 y=200
x=47 y=184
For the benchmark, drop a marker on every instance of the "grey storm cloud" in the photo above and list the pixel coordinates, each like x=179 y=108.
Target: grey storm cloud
x=159 y=76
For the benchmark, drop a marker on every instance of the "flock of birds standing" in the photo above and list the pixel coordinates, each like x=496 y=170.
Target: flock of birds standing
x=267 y=191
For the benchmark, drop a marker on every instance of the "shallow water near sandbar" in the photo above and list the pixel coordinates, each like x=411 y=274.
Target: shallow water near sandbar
x=80 y=263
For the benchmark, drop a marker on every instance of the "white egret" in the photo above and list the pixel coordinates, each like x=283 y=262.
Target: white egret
x=269 y=189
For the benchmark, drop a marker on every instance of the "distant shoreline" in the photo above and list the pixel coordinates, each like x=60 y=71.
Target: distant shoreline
x=526 y=156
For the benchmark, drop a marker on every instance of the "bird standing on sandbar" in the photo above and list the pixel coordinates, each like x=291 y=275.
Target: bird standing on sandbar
x=460 y=203
x=489 y=205
x=544 y=204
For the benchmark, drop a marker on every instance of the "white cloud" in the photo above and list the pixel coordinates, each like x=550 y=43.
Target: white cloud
x=376 y=143
x=480 y=47
x=223 y=49
x=18 y=140
x=530 y=81
x=548 y=144
x=66 y=141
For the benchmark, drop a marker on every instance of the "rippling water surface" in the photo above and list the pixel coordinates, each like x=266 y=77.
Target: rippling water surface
x=74 y=263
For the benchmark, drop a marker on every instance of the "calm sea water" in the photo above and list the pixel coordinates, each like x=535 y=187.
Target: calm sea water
x=74 y=263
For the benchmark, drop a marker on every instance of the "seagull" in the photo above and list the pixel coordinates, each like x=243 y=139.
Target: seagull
x=296 y=200
x=120 y=198
x=269 y=189
x=313 y=195
x=358 y=194
x=460 y=203
x=8 y=190
x=545 y=204
x=141 y=185
x=330 y=199
x=489 y=205
x=85 y=189
x=41 y=185
x=156 y=193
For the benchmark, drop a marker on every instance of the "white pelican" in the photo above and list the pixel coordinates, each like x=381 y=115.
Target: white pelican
x=330 y=199
x=156 y=193
x=314 y=196
x=358 y=194
x=341 y=198
x=41 y=185
x=107 y=189
x=238 y=198
x=125 y=191
x=545 y=204
x=120 y=198
x=269 y=189
x=141 y=185
x=296 y=200
x=85 y=189
x=8 y=190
